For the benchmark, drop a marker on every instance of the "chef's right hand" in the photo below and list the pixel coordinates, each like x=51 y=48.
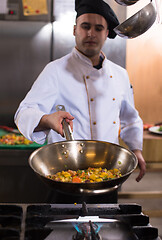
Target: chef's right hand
x=54 y=121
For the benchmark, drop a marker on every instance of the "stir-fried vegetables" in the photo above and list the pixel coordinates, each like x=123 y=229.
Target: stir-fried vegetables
x=85 y=176
x=14 y=139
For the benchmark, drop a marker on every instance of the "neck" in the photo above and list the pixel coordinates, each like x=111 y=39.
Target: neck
x=95 y=60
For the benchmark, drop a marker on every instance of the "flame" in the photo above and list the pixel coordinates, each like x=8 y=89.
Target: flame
x=80 y=226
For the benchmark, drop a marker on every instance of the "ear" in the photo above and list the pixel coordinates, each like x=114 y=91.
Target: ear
x=107 y=34
x=74 y=30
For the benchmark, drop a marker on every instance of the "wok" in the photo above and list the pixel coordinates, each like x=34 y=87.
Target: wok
x=81 y=154
x=137 y=24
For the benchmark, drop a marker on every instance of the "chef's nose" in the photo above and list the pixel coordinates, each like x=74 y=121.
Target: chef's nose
x=91 y=32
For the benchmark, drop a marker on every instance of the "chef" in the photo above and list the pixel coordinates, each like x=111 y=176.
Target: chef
x=96 y=92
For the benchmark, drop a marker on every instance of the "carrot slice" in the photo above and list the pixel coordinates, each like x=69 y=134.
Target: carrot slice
x=76 y=180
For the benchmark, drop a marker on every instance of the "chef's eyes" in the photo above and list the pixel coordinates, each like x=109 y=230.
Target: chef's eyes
x=86 y=26
x=99 y=28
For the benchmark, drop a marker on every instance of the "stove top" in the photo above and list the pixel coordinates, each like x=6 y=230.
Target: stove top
x=42 y=222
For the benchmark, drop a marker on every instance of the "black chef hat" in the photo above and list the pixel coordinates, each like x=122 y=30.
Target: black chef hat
x=98 y=7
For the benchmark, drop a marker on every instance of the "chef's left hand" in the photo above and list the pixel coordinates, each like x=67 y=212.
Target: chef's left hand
x=141 y=164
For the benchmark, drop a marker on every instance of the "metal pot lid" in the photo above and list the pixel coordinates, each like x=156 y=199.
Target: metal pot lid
x=126 y=2
x=137 y=24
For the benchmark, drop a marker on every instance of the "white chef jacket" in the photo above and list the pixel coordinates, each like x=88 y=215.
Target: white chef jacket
x=101 y=102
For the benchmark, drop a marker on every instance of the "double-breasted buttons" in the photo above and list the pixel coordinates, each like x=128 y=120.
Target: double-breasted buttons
x=114 y=122
x=94 y=123
x=87 y=77
x=91 y=99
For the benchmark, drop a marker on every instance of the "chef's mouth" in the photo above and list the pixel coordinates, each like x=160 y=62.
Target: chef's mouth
x=90 y=42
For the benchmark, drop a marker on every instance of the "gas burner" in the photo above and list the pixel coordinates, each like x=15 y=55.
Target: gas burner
x=87 y=231
x=82 y=237
x=95 y=222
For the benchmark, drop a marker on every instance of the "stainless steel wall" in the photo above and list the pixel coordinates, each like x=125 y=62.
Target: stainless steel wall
x=24 y=51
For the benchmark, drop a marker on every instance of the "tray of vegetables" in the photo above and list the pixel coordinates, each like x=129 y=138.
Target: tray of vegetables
x=12 y=138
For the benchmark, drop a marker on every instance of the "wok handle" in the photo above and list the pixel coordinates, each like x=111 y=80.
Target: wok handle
x=98 y=191
x=66 y=127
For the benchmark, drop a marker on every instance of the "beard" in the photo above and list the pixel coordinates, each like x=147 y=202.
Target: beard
x=89 y=51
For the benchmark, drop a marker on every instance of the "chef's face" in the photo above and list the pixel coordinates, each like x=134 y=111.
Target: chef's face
x=90 y=34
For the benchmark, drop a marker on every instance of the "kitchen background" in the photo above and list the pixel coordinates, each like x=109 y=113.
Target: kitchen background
x=28 y=43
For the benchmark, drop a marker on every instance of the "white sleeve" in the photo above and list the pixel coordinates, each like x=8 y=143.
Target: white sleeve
x=39 y=101
x=131 y=123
